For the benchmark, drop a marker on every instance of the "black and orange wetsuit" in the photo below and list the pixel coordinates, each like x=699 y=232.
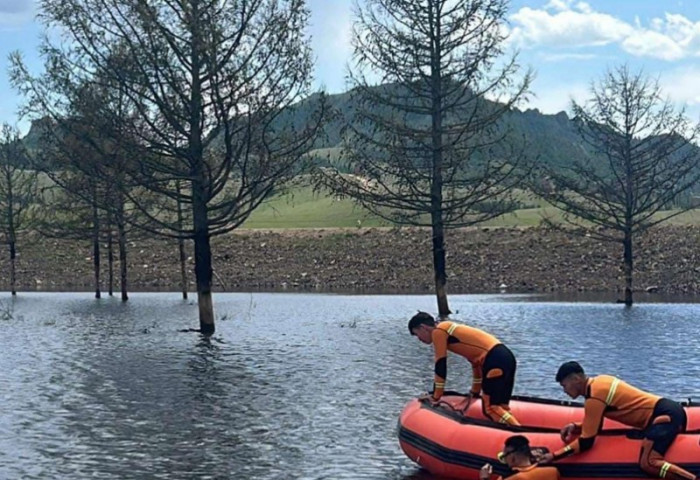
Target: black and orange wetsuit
x=533 y=472
x=660 y=420
x=490 y=360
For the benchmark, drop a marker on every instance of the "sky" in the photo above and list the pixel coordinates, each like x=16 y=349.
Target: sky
x=567 y=43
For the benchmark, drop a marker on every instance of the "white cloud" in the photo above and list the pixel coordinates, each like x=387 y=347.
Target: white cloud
x=566 y=28
x=15 y=6
x=554 y=99
x=15 y=12
x=584 y=7
x=558 y=57
x=561 y=23
x=647 y=43
x=558 y=5
x=681 y=85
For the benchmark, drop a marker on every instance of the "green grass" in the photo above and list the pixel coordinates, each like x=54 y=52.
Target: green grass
x=526 y=217
x=691 y=217
x=304 y=209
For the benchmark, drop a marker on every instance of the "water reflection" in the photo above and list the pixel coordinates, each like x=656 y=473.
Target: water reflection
x=292 y=386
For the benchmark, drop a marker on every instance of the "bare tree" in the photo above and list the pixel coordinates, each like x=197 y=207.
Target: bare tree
x=425 y=144
x=181 y=242
x=103 y=112
x=70 y=210
x=213 y=83
x=19 y=191
x=642 y=159
x=84 y=156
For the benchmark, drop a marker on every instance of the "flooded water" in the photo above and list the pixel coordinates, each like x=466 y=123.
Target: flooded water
x=292 y=386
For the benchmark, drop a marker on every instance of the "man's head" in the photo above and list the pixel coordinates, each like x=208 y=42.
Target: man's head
x=421 y=325
x=516 y=452
x=572 y=378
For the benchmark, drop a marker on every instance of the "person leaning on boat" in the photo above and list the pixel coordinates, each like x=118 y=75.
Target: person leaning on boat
x=517 y=455
x=490 y=360
x=660 y=419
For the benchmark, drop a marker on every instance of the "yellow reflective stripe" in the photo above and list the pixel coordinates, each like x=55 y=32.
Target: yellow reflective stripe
x=451 y=328
x=611 y=392
x=664 y=469
x=477 y=380
x=568 y=448
x=439 y=385
x=506 y=416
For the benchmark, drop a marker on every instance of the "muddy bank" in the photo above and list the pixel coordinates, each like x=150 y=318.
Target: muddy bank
x=479 y=261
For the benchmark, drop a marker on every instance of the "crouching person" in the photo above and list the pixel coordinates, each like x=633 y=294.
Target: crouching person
x=518 y=456
x=659 y=419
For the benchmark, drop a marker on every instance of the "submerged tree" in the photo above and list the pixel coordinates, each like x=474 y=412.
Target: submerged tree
x=68 y=215
x=213 y=84
x=424 y=145
x=643 y=158
x=19 y=192
x=102 y=113
x=79 y=156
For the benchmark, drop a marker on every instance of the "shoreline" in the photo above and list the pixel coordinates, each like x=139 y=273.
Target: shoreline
x=597 y=298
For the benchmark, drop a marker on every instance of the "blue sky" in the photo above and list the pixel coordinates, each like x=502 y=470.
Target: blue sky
x=567 y=43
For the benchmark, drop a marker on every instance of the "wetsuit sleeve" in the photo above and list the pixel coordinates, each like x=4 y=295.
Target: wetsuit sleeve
x=541 y=473
x=592 y=421
x=440 y=346
x=476 y=379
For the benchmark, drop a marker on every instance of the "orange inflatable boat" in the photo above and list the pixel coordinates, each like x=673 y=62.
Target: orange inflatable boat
x=455 y=440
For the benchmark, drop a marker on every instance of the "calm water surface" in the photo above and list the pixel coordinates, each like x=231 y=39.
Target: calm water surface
x=292 y=386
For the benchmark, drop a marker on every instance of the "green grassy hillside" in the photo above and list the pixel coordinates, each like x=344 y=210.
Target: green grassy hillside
x=302 y=208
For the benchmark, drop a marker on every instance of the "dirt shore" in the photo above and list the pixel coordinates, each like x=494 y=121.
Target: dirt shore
x=380 y=260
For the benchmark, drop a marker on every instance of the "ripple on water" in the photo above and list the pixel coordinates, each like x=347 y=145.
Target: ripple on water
x=291 y=386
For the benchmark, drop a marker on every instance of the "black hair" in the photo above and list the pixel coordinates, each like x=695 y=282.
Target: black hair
x=518 y=443
x=420 y=318
x=568 y=368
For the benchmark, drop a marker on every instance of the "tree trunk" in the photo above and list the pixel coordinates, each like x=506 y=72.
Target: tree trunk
x=436 y=181
x=202 y=264
x=628 y=267
x=96 y=248
x=13 y=254
x=181 y=245
x=11 y=236
x=122 y=261
x=110 y=260
x=200 y=195
x=203 y=273
x=439 y=267
x=183 y=267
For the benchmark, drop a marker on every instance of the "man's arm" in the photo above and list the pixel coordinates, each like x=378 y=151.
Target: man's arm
x=440 y=346
x=592 y=421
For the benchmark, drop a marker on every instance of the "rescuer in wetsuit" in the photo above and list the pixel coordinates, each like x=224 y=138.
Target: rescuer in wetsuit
x=517 y=455
x=493 y=364
x=659 y=419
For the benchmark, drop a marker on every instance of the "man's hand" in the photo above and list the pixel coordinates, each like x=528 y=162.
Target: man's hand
x=569 y=432
x=485 y=472
x=428 y=397
x=545 y=458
